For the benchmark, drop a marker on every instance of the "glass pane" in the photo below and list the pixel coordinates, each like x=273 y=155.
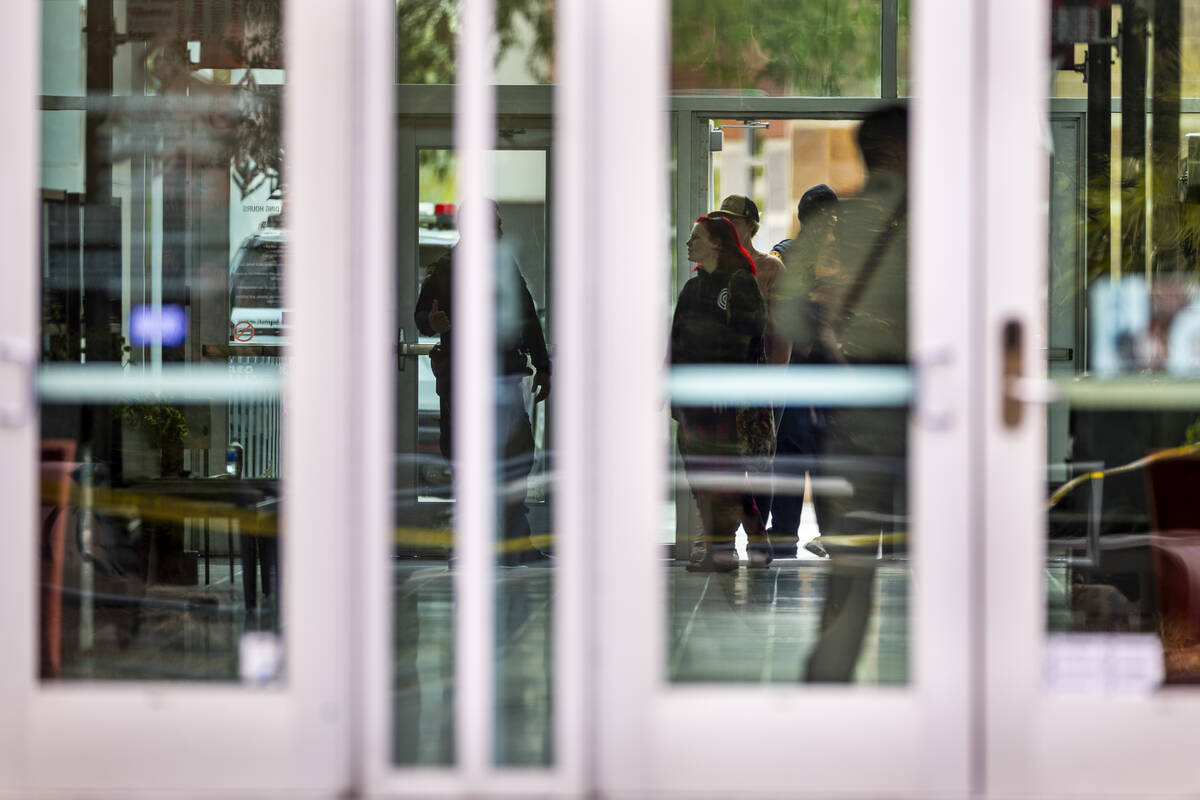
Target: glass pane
x=427 y=268
x=425 y=41
x=1124 y=303
x=776 y=48
x=163 y=332
x=789 y=382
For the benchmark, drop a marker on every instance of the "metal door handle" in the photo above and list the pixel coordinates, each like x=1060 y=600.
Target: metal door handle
x=404 y=350
x=21 y=353
x=1020 y=390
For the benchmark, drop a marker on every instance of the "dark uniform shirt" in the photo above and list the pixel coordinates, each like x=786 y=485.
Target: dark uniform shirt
x=519 y=331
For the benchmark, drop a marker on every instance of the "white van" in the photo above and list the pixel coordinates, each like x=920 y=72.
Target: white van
x=256 y=313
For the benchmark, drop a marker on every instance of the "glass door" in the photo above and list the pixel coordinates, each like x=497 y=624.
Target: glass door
x=754 y=636
x=426 y=503
x=427 y=231
x=473 y=672
x=1092 y=401
x=172 y=320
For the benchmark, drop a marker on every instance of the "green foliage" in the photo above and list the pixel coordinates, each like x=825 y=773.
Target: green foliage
x=426 y=30
x=1193 y=433
x=437 y=175
x=823 y=48
x=165 y=425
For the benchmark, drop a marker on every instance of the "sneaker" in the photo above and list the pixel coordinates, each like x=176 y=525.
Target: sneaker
x=759 y=554
x=720 y=560
x=782 y=546
x=724 y=559
x=816 y=548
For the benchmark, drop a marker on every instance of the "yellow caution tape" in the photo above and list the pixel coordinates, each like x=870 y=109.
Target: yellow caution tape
x=1079 y=480
x=155 y=507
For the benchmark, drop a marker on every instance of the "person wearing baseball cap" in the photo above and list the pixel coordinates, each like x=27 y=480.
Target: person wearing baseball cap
x=738 y=206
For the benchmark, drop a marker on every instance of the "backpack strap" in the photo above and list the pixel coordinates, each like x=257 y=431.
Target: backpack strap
x=854 y=296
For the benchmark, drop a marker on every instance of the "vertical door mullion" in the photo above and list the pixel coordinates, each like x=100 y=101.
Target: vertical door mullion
x=943 y=295
x=1014 y=258
x=629 y=59
x=574 y=435
x=889 y=29
x=19 y=43
x=321 y=423
x=377 y=209
x=473 y=376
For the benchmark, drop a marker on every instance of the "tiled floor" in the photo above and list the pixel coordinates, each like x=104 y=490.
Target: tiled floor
x=747 y=627
x=162 y=632
x=423 y=670
x=759 y=626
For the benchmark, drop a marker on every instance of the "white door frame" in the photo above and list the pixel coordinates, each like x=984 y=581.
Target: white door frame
x=82 y=737
x=658 y=738
x=1042 y=742
x=473 y=101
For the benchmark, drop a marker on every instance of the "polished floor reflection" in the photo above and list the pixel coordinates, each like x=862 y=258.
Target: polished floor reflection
x=761 y=625
x=748 y=626
x=169 y=633
x=423 y=674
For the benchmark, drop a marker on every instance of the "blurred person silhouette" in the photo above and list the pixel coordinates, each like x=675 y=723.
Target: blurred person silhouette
x=744 y=214
x=519 y=341
x=801 y=428
x=858 y=314
x=720 y=318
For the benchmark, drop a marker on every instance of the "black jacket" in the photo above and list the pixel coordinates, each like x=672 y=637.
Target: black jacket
x=520 y=337
x=719 y=319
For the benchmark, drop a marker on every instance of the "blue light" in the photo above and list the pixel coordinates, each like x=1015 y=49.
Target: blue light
x=167 y=326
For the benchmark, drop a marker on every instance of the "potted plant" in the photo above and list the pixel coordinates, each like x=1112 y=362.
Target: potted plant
x=152 y=438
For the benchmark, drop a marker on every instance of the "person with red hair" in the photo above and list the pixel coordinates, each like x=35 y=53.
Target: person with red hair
x=720 y=318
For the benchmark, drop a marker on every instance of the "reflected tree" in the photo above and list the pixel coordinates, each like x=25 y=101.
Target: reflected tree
x=806 y=47
x=426 y=30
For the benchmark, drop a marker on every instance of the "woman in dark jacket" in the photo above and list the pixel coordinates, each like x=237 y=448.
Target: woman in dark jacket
x=720 y=319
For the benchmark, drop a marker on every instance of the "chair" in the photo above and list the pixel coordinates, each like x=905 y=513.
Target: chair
x=1175 y=517
x=57 y=465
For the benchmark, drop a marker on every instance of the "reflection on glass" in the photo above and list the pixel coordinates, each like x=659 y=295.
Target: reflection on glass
x=1124 y=347
x=162 y=332
x=776 y=47
x=790 y=511
x=425 y=41
x=424 y=570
